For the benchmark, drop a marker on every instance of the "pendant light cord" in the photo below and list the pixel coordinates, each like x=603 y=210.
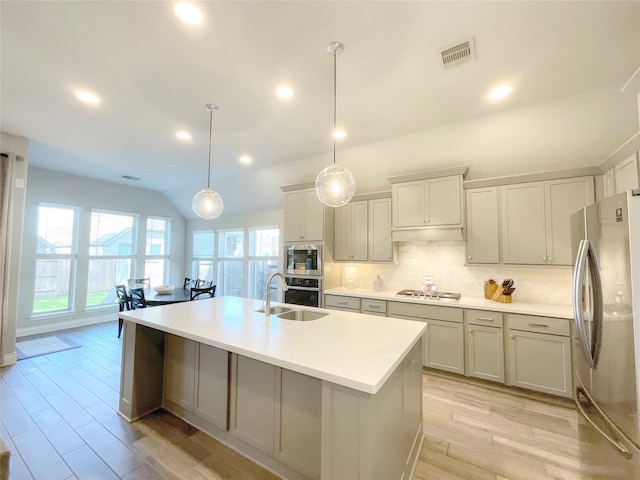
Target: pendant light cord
x=335 y=102
x=210 y=135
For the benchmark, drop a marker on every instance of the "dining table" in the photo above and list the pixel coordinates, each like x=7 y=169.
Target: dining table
x=176 y=295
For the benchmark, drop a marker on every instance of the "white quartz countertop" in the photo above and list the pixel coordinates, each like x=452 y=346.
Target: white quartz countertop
x=541 y=309
x=350 y=349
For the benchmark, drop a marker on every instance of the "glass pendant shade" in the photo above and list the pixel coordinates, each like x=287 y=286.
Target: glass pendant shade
x=207 y=204
x=335 y=186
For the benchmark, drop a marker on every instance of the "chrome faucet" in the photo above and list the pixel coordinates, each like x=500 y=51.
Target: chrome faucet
x=267 y=301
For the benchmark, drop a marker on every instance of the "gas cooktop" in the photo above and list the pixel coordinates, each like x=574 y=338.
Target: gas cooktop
x=429 y=295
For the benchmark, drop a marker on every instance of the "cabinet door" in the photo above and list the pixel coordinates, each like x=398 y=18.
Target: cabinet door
x=313 y=216
x=380 y=247
x=563 y=198
x=609 y=183
x=626 y=173
x=212 y=385
x=342 y=242
x=444 y=346
x=540 y=362
x=298 y=422
x=293 y=209
x=253 y=402
x=485 y=353
x=408 y=204
x=523 y=223
x=482 y=225
x=359 y=231
x=179 y=371
x=443 y=197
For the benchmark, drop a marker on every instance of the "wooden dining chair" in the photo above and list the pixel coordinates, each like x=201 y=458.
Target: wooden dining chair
x=137 y=298
x=124 y=303
x=196 y=292
x=139 y=282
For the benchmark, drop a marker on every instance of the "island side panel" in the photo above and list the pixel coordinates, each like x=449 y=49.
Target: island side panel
x=374 y=436
x=141 y=378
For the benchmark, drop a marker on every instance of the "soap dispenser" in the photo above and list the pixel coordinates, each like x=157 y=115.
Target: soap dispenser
x=377 y=284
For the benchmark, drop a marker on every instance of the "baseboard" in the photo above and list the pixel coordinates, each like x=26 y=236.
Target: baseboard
x=64 y=325
x=9 y=359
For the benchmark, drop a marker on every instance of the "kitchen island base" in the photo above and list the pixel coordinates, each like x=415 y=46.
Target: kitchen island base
x=293 y=424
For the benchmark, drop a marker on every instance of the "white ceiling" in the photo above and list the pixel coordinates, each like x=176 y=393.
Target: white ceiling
x=566 y=62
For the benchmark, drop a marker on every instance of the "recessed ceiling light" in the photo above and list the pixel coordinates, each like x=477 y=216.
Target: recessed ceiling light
x=87 y=97
x=284 y=92
x=339 y=134
x=188 y=12
x=183 y=135
x=245 y=160
x=500 y=92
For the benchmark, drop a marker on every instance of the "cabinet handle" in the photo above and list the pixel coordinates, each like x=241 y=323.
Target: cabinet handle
x=485 y=319
x=469 y=257
x=470 y=330
x=341 y=302
x=541 y=325
x=512 y=337
x=549 y=259
x=373 y=306
x=544 y=258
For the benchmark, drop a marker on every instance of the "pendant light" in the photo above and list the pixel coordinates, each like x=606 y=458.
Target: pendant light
x=335 y=184
x=208 y=203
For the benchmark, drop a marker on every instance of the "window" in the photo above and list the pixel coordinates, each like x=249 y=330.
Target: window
x=157 y=250
x=203 y=255
x=231 y=265
x=264 y=250
x=55 y=259
x=111 y=254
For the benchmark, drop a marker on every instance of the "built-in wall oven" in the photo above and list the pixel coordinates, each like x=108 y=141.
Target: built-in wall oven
x=303 y=259
x=304 y=291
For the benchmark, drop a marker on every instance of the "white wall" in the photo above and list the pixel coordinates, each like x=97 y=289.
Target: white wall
x=445 y=260
x=19 y=146
x=60 y=188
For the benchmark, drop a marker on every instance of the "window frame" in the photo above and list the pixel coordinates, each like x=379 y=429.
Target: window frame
x=253 y=259
x=196 y=259
x=164 y=257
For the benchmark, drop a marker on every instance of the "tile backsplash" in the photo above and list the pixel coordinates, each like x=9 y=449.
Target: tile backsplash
x=445 y=261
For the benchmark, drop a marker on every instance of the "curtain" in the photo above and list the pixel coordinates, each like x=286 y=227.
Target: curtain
x=6 y=194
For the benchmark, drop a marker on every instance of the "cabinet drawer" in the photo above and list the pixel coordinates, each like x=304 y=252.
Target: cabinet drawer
x=369 y=305
x=530 y=323
x=483 y=317
x=449 y=314
x=342 y=302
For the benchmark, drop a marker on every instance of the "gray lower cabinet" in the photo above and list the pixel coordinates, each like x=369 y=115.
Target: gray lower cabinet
x=539 y=353
x=278 y=412
x=196 y=379
x=485 y=345
x=372 y=306
x=342 y=302
x=444 y=339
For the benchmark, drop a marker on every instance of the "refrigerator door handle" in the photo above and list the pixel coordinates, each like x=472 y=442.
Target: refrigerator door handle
x=614 y=437
x=598 y=307
x=578 y=285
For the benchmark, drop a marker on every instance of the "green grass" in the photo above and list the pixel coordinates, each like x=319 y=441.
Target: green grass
x=61 y=302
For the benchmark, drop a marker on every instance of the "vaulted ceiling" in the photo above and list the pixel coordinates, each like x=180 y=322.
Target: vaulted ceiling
x=565 y=61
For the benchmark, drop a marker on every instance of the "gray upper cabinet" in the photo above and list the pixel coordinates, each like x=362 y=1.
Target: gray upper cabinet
x=535 y=219
x=351 y=222
x=483 y=235
x=304 y=216
x=380 y=249
x=426 y=203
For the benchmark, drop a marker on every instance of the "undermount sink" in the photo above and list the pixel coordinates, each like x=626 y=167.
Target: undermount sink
x=275 y=310
x=301 y=315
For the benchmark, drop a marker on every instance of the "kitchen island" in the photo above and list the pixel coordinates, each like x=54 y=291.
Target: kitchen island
x=336 y=397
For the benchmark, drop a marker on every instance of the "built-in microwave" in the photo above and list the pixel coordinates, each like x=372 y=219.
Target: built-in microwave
x=303 y=259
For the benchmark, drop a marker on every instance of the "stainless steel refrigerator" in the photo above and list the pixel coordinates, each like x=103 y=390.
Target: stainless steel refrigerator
x=606 y=306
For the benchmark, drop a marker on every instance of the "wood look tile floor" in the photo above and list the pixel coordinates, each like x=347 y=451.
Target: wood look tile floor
x=58 y=417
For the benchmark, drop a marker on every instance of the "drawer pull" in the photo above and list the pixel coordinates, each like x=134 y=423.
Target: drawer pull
x=373 y=306
x=541 y=325
x=341 y=302
x=485 y=319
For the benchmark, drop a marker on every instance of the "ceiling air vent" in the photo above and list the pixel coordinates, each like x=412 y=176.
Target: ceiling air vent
x=131 y=177
x=457 y=54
